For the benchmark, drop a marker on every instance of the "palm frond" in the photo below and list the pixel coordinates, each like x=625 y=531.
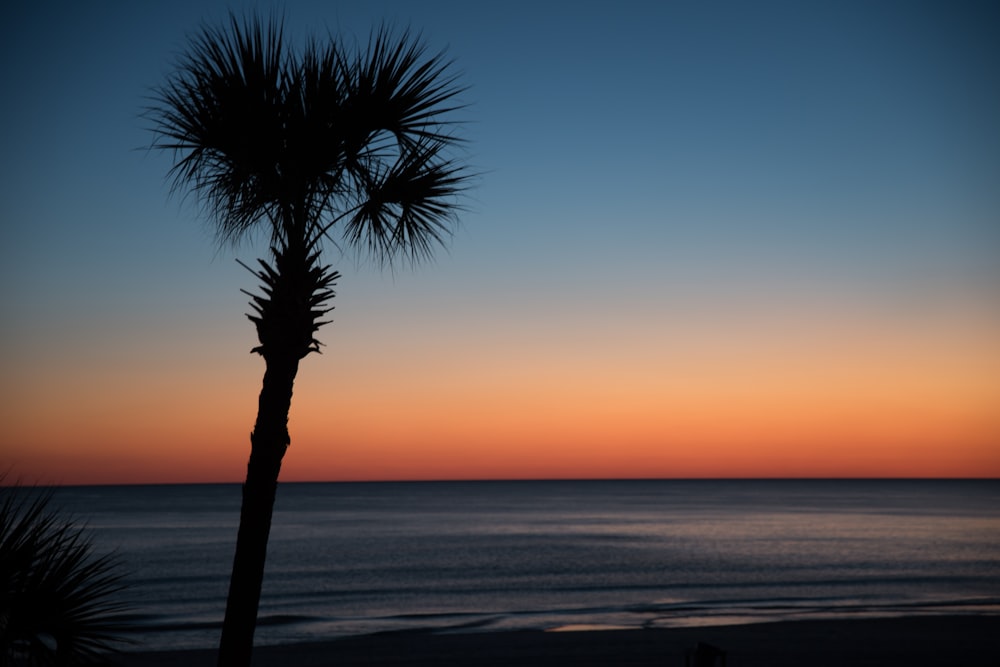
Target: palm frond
x=402 y=90
x=404 y=209
x=221 y=114
x=58 y=601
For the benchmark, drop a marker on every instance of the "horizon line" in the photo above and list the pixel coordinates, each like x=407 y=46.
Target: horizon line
x=21 y=483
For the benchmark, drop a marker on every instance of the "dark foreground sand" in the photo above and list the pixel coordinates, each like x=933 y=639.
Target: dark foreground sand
x=941 y=641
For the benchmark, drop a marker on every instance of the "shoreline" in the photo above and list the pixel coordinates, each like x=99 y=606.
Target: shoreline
x=913 y=641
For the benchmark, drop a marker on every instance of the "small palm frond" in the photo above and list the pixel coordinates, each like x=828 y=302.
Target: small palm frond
x=58 y=601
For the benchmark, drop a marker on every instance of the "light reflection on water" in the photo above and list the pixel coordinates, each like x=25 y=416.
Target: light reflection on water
x=357 y=558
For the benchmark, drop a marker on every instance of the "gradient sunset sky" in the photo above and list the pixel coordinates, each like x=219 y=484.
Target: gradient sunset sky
x=710 y=239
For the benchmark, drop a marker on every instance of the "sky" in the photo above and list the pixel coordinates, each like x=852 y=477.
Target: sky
x=707 y=239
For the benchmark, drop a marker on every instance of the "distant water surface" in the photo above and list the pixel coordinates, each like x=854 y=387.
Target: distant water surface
x=360 y=558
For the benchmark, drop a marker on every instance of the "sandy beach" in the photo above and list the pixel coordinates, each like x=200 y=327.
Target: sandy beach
x=939 y=641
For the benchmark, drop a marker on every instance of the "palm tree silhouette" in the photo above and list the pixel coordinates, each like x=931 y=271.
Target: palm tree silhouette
x=303 y=143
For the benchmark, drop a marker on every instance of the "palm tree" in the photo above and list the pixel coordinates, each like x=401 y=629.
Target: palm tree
x=304 y=143
x=59 y=601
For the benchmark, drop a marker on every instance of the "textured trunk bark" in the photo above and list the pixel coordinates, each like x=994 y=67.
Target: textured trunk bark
x=269 y=441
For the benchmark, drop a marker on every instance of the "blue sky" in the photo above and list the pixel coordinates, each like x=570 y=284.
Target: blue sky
x=652 y=174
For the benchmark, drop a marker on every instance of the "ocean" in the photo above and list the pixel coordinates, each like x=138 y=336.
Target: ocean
x=357 y=558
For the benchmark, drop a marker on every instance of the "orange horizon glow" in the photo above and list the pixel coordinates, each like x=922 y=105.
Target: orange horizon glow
x=831 y=401
x=522 y=436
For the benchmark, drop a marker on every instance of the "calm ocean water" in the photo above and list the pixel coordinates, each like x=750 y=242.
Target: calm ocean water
x=360 y=558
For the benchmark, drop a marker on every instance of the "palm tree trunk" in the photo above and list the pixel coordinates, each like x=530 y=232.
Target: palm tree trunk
x=295 y=291
x=269 y=441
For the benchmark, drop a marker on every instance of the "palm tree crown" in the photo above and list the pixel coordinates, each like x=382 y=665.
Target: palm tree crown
x=302 y=141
